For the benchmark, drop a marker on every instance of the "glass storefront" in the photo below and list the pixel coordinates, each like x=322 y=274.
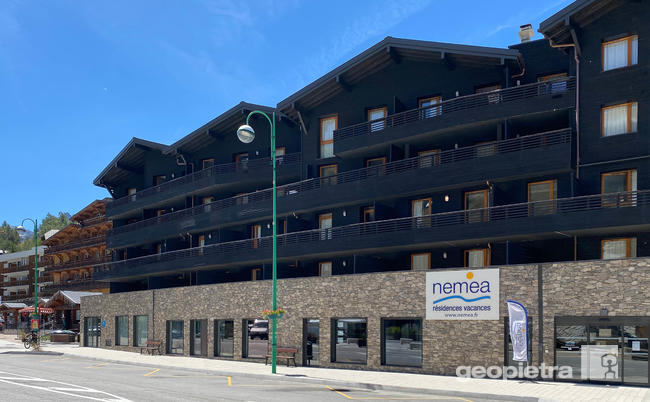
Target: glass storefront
x=349 y=339
x=256 y=338
x=311 y=328
x=92 y=331
x=175 y=337
x=140 y=330
x=224 y=338
x=198 y=346
x=402 y=342
x=604 y=349
x=122 y=330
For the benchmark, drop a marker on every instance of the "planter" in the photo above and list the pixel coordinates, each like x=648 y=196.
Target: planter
x=272 y=316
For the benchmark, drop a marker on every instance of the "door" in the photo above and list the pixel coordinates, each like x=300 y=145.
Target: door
x=635 y=353
x=476 y=200
x=325 y=225
x=91 y=332
x=256 y=234
x=197 y=347
x=311 y=328
x=604 y=353
x=224 y=338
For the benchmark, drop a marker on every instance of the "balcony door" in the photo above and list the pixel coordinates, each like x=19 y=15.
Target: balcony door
x=421 y=209
x=618 y=182
x=374 y=115
x=256 y=234
x=475 y=204
x=325 y=225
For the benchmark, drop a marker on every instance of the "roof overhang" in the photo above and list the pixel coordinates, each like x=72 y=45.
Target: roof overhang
x=557 y=28
x=381 y=55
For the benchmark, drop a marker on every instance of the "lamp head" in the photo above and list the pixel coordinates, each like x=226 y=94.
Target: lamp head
x=245 y=133
x=20 y=228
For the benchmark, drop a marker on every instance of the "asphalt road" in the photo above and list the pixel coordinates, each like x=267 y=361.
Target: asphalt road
x=26 y=377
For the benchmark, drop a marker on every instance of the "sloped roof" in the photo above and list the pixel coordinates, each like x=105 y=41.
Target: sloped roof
x=20 y=254
x=130 y=158
x=558 y=27
x=13 y=305
x=72 y=296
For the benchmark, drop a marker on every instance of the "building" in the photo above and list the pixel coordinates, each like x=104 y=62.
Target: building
x=409 y=160
x=17 y=270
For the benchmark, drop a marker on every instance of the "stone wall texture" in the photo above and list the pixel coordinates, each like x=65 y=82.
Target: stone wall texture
x=569 y=289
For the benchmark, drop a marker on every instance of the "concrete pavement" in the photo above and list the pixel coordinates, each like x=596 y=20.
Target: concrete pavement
x=441 y=385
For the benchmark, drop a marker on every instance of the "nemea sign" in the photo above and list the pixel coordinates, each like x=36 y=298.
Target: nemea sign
x=463 y=295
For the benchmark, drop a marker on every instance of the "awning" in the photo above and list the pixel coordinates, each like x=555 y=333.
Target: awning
x=41 y=310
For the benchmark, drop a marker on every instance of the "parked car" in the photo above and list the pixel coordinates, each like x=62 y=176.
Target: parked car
x=260 y=329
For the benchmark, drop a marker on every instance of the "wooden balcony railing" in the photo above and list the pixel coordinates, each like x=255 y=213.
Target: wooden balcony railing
x=89 y=241
x=77 y=264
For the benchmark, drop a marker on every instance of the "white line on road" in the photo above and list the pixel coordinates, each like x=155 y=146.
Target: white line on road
x=104 y=396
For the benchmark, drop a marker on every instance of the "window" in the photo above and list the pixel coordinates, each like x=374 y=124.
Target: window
x=401 y=342
x=421 y=207
x=207 y=200
x=122 y=330
x=619 y=119
x=376 y=114
x=428 y=158
x=376 y=161
x=325 y=224
x=282 y=226
x=428 y=110
x=493 y=96
x=327 y=127
x=158 y=248
x=479 y=257
x=325 y=268
x=198 y=344
x=207 y=163
x=618 y=182
x=611 y=249
x=140 y=330
x=556 y=83
x=160 y=212
x=224 y=338
x=476 y=200
x=201 y=243
x=368 y=214
x=376 y=166
x=349 y=340
x=175 y=337
x=542 y=193
x=328 y=171
x=256 y=338
x=256 y=234
x=131 y=192
x=256 y=274
x=158 y=180
x=420 y=261
x=241 y=161
x=279 y=154
x=619 y=53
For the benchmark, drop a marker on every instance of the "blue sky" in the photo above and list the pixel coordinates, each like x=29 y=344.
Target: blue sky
x=78 y=79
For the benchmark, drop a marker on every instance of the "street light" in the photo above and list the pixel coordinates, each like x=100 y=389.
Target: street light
x=21 y=227
x=246 y=134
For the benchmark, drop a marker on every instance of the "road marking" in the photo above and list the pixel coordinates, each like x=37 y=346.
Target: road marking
x=98 y=365
x=152 y=372
x=339 y=392
x=229 y=381
x=67 y=390
x=393 y=398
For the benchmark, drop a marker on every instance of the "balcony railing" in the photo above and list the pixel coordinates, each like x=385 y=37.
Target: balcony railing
x=17 y=268
x=76 y=284
x=17 y=283
x=421 y=162
x=562 y=206
x=215 y=170
x=77 y=264
x=461 y=103
x=89 y=241
x=15 y=298
x=94 y=220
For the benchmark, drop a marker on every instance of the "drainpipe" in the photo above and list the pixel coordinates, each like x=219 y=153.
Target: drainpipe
x=577 y=60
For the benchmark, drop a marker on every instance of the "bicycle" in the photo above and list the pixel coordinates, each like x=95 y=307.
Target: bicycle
x=31 y=340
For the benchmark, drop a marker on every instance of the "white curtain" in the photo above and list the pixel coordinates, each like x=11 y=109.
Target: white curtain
x=635 y=50
x=615 y=249
x=377 y=114
x=420 y=262
x=476 y=258
x=327 y=127
x=615 y=120
x=433 y=111
x=615 y=55
x=418 y=208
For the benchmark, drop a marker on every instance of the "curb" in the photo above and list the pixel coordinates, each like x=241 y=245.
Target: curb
x=34 y=353
x=323 y=381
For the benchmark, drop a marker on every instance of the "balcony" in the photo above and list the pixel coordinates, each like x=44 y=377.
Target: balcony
x=94 y=220
x=77 y=284
x=405 y=126
x=22 y=282
x=17 y=298
x=529 y=155
x=85 y=242
x=16 y=268
x=77 y=264
x=250 y=172
x=570 y=216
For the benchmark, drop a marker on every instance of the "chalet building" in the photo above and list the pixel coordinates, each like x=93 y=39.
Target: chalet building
x=17 y=284
x=411 y=159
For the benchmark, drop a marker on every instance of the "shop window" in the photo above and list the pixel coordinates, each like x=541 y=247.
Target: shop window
x=140 y=330
x=349 y=340
x=619 y=119
x=256 y=338
x=428 y=107
x=618 y=182
x=207 y=163
x=374 y=115
x=325 y=225
x=224 y=338
x=328 y=174
x=401 y=342
x=620 y=53
x=122 y=330
x=175 y=337
x=428 y=158
x=158 y=180
x=420 y=261
x=327 y=127
x=543 y=195
x=325 y=268
x=479 y=257
x=612 y=249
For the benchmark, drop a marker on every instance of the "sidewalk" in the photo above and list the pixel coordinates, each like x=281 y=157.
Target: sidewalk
x=547 y=391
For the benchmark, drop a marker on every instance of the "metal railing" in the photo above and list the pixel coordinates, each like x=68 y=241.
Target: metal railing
x=76 y=264
x=555 y=86
x=241 y=166
x=421 y=162
x=562 y=206
x=89 y=241
x=76 y=284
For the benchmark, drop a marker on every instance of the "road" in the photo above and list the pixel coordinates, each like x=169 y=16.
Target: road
x=27 y=377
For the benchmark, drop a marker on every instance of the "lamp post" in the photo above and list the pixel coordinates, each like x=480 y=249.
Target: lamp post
x=246 y=134
x=21 y=227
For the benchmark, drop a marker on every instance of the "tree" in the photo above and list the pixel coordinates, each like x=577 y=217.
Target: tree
x=9 y=238
x=54 y=222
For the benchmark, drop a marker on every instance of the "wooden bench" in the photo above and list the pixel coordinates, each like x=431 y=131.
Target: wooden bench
x=152 y=346
x=288 y=354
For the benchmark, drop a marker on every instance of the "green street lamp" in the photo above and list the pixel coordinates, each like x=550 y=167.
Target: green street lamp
x=21 y=227
x=246 y=134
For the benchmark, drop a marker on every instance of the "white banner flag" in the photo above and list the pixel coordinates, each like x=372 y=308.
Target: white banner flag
x=518 y=330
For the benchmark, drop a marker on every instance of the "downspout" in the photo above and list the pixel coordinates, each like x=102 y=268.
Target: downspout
x=577 y=60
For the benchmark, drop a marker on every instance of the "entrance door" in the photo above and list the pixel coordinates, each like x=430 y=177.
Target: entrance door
x=605 y=353
x=311 y=339
x=91 y=332
x=198 y=347
x=635 y=354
